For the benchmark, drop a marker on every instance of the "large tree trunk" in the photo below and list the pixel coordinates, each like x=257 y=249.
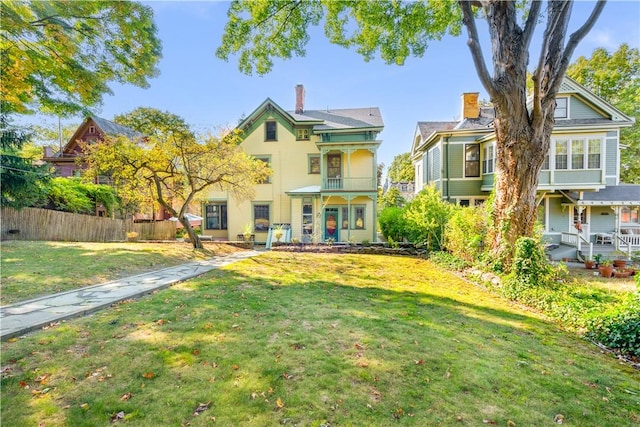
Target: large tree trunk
x=523 y=129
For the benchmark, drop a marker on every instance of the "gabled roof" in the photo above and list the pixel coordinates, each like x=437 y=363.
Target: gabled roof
x=322 y=121
x=113 y=129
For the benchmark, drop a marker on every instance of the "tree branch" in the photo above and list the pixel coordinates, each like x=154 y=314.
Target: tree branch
x=577 y=36
x=530 y=25
x=474 y=46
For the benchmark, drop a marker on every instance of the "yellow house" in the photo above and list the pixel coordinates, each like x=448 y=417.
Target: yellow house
x=324 y=181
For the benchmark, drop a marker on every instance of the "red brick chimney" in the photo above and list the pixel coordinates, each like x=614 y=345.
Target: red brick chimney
x=470 y=108
x=299 y=99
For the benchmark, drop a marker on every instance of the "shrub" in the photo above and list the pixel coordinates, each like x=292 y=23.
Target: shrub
x=530 y=268
x=426 y=217
x=392 y=198
x=619 y=327
x=466 y=232
x=391 y=223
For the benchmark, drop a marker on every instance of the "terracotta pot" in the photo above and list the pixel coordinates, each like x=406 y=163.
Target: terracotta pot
x=619 y=263
x=589 y=265
x=606 y=270
x=622 y=274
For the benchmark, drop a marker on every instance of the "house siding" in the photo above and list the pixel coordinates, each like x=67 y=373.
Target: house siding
x=580 y=110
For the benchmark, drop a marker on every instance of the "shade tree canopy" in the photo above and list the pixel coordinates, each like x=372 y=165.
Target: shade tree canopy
x=59 y=57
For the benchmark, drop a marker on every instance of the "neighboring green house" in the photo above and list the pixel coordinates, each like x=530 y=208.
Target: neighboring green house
x=324 y=181
x=579 y=184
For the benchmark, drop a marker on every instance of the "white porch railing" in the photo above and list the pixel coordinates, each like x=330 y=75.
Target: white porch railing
x=349 y=184
x=627 y=242
x=577 y=240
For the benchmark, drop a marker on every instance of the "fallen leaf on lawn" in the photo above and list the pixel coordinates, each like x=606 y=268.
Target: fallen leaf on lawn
x=23 y=384
x=492 y=422
x=448 y=375
x=147 y=375
x=363 y=364
x=270 y=390
x=459 y=418
x=558 y=419
x=195 y=352
x=511 y=423
x=236 y=367
x=359 y=346
x=118 y=416
x=201 y=408
x=279 y=403
x=287 y=376
x=85 y=406
x=126 y=396
x=419 y=362
x=160 y=322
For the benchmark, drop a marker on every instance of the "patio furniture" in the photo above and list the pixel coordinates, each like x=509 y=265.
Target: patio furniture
x=604 y=239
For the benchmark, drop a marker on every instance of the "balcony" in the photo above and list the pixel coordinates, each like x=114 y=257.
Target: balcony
x=349 y=184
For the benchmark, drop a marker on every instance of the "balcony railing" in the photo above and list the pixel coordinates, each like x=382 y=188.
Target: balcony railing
x=349 y=184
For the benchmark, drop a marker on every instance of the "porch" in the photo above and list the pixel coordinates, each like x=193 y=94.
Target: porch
x=605 y=244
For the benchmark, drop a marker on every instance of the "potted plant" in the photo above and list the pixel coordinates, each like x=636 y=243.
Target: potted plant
x=598 y=259
x=620 y=261
x=606 y=268
x=589 y=264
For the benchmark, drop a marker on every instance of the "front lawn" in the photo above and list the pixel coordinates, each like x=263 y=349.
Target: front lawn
x=31 y=269
x=311 y=340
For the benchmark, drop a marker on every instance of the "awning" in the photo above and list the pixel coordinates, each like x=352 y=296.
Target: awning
x=305 y=191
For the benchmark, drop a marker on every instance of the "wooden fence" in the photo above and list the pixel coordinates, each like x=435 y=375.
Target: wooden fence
x=44 y=224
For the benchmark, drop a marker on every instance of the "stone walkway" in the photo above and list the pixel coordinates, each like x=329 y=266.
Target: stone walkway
x=22 y=317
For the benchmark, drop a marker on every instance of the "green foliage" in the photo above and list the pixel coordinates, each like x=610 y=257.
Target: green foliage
x=401 y=169
x=73 y=195
x=20 y=180
x=530 y=268
x=619 y=327
x=60 y=57
x=426 y=217
x=392 y=198
x=391 y=223
x=466 y=233
x=260 y=31
x=616 y=78
x=448 y=260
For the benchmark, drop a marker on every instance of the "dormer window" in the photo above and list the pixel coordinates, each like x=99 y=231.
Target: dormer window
x=562 y=108
x=302 y=134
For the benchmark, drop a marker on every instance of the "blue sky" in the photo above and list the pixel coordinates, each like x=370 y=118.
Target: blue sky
x=210 y=93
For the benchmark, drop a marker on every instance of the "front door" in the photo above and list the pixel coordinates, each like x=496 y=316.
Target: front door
x=331 y=221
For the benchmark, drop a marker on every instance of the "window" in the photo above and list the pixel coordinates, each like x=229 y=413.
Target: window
x=472 y=160
x=92 y=129
x=577 y=154
x=358 y=216
x=628 y=216
x=302 y=134
x=464 y=202
x=216 y=216
x=345 y=218
x=334 y=165
x=271 y=131
x=261 y=218
x=561 y=154
x=307 y=218
x=489 y=158
x=593 y=161
x=562 y=108
x=267 y=161
x=314 y=163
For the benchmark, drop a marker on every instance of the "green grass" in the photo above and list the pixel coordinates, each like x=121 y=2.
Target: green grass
x=311 y=340
x=31 y=269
